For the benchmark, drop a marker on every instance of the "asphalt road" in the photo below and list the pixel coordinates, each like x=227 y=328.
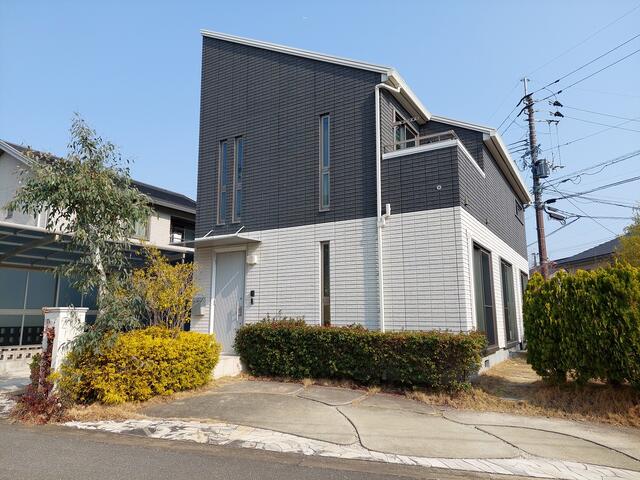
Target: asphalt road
x=54 y=452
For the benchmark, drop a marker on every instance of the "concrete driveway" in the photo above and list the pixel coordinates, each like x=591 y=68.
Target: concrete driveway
x=393 y=424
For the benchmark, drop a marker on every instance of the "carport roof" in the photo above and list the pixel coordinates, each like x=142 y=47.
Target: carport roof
x=25 y=246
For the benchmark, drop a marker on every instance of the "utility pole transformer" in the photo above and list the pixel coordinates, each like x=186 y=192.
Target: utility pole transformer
x=537 y=191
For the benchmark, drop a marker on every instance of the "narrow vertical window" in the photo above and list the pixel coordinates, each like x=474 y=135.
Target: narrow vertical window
x=325 y=162
x=238 y=166
x=223 y=181
x=325 y=280
x=485 y=319
x=509 y=302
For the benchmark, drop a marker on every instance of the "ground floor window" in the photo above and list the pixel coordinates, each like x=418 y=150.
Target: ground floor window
x=325 y=280
x=509 y=302
x=483 y=289
x=23 y=293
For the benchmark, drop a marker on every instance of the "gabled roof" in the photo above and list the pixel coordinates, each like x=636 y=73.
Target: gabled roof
x=603 y=250
x=159 y=196
x=406 y=97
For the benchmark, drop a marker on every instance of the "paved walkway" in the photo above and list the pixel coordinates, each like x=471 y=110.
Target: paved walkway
x=381 y=427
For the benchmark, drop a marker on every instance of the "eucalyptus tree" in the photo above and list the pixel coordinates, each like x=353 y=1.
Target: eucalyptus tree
x=88 y=196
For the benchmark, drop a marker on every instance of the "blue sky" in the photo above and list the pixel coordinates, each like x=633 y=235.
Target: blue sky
x=132 y=70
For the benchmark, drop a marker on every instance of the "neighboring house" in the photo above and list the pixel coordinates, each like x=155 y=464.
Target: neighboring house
x=595 y=257
x=27 y=250
x=327 y=190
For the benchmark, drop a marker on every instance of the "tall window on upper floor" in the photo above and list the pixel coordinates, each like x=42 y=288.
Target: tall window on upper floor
x=483 y=293
x=223 y=181
x=508 y=302
x=238 y=165
x=325 y=162
x=404 y=135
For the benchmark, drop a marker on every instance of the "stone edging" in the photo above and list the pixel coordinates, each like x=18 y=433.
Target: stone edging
x=258 y=438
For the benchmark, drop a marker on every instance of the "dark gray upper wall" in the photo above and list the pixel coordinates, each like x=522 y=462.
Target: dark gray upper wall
x=410 y=182
x=492 y=201
x=275 y=101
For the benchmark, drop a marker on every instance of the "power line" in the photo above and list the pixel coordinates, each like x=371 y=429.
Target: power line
x=603 y=124
x=607 y=202
x=589 y=62
x=583 y=171
x=593 y=219
x=589 y=76
x=596 y=189
x=505 y=99
x=571 y=222
x=593 y=134
x=586 y=39
x=600 y=113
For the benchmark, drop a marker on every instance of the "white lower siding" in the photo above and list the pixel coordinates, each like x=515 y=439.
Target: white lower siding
x=427 y=272
x=474 y=231
x=422 y=268
x=286 y=279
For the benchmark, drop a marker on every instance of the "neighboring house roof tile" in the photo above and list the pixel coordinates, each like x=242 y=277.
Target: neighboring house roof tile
x=602 y=250
x=159 y=196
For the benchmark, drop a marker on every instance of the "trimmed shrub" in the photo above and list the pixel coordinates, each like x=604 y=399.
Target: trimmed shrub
x=585 y=325
x=139 y=365
x=439 y=360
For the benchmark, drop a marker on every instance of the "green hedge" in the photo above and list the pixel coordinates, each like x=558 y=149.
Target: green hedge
x=139 y=365
x=585 y=325
x=439 y=360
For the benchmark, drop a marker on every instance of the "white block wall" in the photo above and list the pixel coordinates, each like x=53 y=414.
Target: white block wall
x=287 y=275
x=427 y=272
x=422 y=269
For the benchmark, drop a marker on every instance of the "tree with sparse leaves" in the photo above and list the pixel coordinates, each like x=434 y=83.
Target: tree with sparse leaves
x=165 y=291
x=629 y=248
x=88 y=196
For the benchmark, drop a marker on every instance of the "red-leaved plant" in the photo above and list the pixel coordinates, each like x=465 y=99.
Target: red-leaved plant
x=40 y=403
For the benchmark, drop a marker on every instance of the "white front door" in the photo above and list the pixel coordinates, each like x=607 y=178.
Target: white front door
x=228 y=313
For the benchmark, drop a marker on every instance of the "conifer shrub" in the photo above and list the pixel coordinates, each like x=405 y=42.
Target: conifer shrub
x=585 y=326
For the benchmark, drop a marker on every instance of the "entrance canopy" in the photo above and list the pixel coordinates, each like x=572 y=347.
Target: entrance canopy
x=223 y=240
x=26 y=246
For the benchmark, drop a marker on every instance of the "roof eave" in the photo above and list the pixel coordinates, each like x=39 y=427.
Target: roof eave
x=4 y=146
x=295 y=51
x=500 y=152
x=407 y=97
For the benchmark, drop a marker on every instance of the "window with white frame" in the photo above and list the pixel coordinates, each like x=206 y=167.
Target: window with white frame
x=325 y=162
x=223 y=181
x=238 y=166
x=403 y=133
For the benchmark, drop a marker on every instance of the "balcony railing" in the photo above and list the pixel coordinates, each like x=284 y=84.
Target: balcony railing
x=419 y=141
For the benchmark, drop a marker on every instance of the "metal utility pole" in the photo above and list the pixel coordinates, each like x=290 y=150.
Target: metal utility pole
x=536 y=171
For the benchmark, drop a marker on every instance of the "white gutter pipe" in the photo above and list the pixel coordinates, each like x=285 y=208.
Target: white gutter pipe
x=380 y=220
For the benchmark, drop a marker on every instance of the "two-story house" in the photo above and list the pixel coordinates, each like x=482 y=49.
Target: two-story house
x=326 y=189
x=28 y=252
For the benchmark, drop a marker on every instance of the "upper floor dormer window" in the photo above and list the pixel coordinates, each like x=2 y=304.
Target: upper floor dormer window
x=403 y=133
x=325 y=162
x=223 y=181
x=238 y=166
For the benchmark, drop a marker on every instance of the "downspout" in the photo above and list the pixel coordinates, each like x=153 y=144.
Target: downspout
x=380 y=220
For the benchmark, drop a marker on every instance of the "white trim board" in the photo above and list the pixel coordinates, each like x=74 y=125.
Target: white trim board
x=436 y=146
x=347 y=62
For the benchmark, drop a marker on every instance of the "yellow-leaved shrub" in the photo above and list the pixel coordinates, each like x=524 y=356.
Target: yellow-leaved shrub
x=140 y=364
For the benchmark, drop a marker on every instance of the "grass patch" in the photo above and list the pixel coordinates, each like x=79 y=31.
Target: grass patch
x=513 y=387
